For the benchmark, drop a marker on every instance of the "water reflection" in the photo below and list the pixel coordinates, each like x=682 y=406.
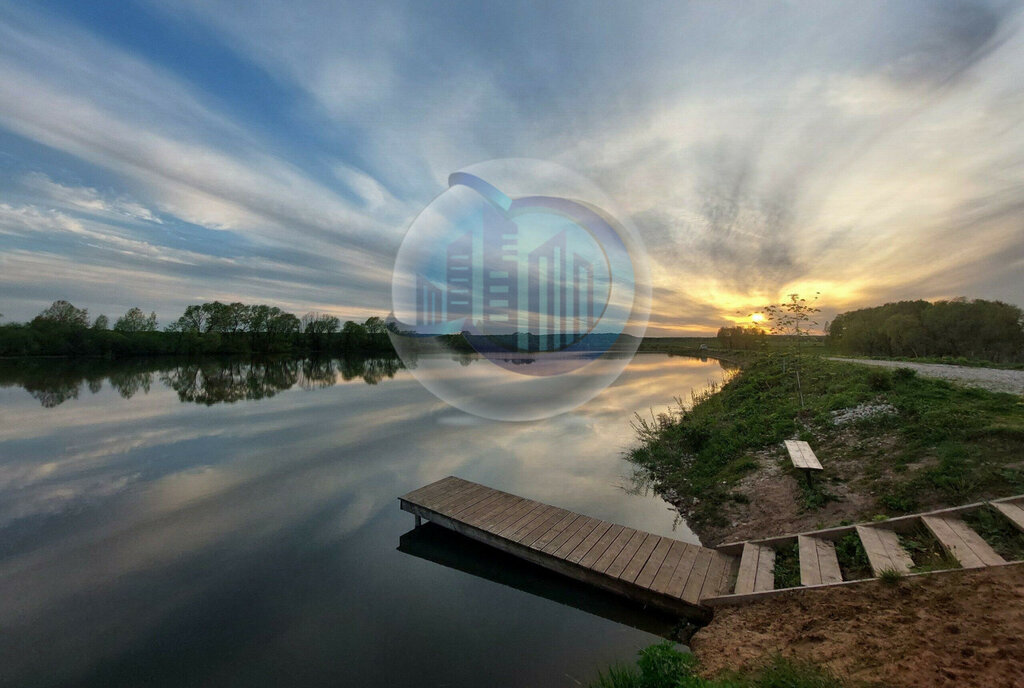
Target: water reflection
x=146 y=541
x=205 y=381
x=441 y=546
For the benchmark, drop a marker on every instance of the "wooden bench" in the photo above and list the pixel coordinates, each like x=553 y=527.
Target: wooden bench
x=803 y=458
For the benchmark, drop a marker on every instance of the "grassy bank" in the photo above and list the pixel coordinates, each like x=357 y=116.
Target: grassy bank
x=891 y=443
x=661 y=666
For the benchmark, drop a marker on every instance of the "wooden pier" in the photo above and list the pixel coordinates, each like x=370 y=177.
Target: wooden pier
x=655 y=570
x=681 y=577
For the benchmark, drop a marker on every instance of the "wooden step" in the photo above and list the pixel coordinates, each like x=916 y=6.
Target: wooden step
x=884 y=550
x=1014 y=511
x=957 y=538
x=757 y=569
x=818 y=562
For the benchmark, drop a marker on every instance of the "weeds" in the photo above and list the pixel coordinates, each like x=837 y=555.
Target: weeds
x=853 y=560
x=925 y=550
x=662 y=666
x=1005 y=539
x=787 y=566
x=890 y=577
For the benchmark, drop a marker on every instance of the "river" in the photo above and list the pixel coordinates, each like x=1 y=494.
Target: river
x=237 y=524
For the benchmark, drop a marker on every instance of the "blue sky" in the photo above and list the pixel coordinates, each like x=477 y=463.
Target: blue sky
x=161 y=154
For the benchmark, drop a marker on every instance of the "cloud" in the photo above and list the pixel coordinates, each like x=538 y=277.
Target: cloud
x=862 y=149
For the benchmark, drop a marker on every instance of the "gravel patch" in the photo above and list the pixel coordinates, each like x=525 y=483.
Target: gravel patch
x=994 y=379
x=849 y=415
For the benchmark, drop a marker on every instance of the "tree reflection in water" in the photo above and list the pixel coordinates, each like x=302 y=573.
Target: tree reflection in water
x=202 y=381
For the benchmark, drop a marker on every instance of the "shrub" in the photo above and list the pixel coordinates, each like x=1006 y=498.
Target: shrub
x=879 y=380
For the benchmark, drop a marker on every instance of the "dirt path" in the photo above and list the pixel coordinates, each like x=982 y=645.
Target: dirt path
x=994 y=379
x=960 y=629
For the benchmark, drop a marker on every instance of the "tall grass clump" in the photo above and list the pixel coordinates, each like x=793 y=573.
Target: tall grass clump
x=662 y=666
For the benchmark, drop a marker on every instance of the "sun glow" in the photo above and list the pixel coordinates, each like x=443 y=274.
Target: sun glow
x=757 y=317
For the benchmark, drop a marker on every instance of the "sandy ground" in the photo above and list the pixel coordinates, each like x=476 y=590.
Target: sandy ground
x=964 y=629
x=994 y=379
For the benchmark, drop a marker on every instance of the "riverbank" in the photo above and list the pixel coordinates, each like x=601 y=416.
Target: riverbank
x=891 y=442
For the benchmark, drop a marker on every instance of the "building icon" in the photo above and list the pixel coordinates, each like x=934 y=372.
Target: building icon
x=501 y=274
x=459 y=278
x=429 y=302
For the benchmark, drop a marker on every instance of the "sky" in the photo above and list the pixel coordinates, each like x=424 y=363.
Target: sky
x=163 y=154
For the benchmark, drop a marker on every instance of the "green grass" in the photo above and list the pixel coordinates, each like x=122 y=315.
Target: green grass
x=662 y=666
x=926 y=551
x=949 y=445
x=853 y=560
x=890 y=577
x=1005 y=539
x=787 y=566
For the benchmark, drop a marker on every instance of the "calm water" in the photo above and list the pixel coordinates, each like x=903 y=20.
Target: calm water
x=237 y=525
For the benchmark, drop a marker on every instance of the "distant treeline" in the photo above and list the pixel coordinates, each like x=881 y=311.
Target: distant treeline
x=986 y=330
x=742 y=337
x=209 y=328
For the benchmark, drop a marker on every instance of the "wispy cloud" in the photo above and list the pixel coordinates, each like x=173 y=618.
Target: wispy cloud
x=870 y=151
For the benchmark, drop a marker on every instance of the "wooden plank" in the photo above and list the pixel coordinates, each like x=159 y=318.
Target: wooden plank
x=440 y=490
x=748 y=568
x=543 y=525
x=482 y=519
x=978 y=545
x=818 y=561
x=513 y=524
x=581 y=533
x=627 y=553
x=668 y=567
x=476 y=514
x=464 y=510
x=884 y=550
x=567 y=533
x=639 y=560
x=765 y=579
x=502 y=521
x=699 y=572
x=828 y=562
x=597 y=551
x=460 y=493
x=810 y=571
x=621 y=540
x=963 y=543
x=588 y=542
x=426 y=491
x=802 y=456
x=1013 y=512
x=713 y=579
x=682 y=572
x=555 y=530
x=654 y=563
x=524 y=524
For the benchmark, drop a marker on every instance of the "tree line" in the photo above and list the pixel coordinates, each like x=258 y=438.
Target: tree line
x=978 y=329
x=63 y=329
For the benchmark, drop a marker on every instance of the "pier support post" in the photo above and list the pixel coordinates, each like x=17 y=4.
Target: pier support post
x=419 y=521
